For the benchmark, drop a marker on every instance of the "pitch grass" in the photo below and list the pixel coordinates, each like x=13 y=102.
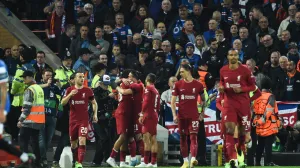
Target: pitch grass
x=218 y=167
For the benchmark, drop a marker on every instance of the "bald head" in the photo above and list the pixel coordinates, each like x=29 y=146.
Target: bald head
x=172 y=81
x=283 y=62
x=15 y=51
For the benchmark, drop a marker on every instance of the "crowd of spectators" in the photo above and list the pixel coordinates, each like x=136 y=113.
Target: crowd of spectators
x=158 y=36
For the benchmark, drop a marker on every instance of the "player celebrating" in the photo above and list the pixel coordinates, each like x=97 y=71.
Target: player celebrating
x=136 y=89
x=188 y=89
x=235 y=82
x=149 y=120
x=79 y=97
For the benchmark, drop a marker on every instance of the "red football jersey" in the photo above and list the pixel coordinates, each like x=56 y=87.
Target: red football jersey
x=240 y=77
x=125 y=101
x=138 y=91
x=79 y=103
x=151 y=103
x=188 y=93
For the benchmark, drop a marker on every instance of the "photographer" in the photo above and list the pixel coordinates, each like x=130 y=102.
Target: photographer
x=107 y=104
x=51 y=91
x=293 y=138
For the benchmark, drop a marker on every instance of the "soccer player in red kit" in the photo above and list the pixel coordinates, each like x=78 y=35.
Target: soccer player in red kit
x=124 y=123
x=188 y=89
x=78 y=98
x=236 y=81
x=136 y=89
x=149 y=119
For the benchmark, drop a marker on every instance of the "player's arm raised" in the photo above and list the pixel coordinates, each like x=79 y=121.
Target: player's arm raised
x=67 y=97
x=95 y=110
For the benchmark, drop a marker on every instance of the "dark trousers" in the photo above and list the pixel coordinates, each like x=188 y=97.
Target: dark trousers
x=12 y=120
x=27 y=134
x=9 y=148
x=64 y=141
x=252 y=150
x=201 y=144
x=264 y=143
x=104 y=141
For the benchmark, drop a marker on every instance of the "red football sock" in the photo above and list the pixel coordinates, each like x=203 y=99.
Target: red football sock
x=226 y=157
x=194 y=145
x=230 y=146
x=132 y=148
x=141 y=144
x=241 y=143
x=153 y=158
x=122 y=156
x=236 y=140
x=183 y=146
x=147 y=157
x=75 y=154
x=113 y=153
x=81 y=153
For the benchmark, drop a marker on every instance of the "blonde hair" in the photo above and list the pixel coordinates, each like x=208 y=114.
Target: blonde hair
x=203 y=39
x=151 y=25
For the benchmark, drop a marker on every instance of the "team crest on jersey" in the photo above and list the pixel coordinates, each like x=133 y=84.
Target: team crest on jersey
x=239 y=78
x=193 y=90
x=83 y=95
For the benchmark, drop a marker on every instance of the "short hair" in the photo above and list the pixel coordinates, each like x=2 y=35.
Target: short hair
x=232 y=49
x=116 y=45
x=136 y=74
x=258 y=8
x=234 y=10
x=72 y=76
x=41 y=52
x=292 y=62
x=151 y=78
x=125 y=73
x=212 y=40
x=47 y=70
x=119 y=14
x=97 y=67
x=243 y=27
x=85 y=26
x=219 y=31
x=266 y=83
x=186 y=67
x=198 y=4
x=253 y=62
x=69 y=26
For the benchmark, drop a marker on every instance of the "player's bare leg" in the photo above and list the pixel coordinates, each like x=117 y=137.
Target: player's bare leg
x=241 y=148
x=230 y=143
x=147 y=149
x=74 y=147
x=184 y=150
x=153 y=151
x=111 y=160
x=81 y=151
x=194 y=149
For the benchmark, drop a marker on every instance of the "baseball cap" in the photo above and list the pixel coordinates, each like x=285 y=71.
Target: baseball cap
x=293 y=45
x=84 y=51
x=106 y=79
x=27 y=73
x=82 y=14
x=160 y=53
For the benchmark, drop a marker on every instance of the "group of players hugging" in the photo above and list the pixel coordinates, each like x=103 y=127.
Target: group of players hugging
x=137 y=114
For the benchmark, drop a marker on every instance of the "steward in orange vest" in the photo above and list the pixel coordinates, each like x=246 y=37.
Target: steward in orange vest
x=206 y=79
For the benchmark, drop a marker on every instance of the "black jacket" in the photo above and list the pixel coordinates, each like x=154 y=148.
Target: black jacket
x=63 y=43
x=62 y=123
x=249 y=48
x=295 y=83
x=163 y=73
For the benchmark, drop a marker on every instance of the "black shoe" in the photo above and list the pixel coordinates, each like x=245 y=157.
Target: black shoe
x=271 y=164
x=232 y=164
x=93 y=164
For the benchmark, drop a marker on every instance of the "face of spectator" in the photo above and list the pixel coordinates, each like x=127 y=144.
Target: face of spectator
x=292 y=10
x=189 y=50
x=256 y=14
x=267 y=41
x=236 y=16
x=21 y=48
x=28 y=80
x=98 y=33
x=116 y=4
x=89 y=10
x=197 y=10
x=142 y=12
x=72 y=31
x=15 y=51
x=158 y=60
x=156 y=44
x=7 y=52
x=107 y=29
x=116 y=50
x=263 y=23
x=189 y=26
x=47 y=75
x=85 y=57
x=219 y=37
x=251 y=15
x=166 y=46
x=40 y=58
x=233 y=56
x=243 y=34
x=237 y=45
x=214 y=45
x=290 y=66
x=212 y=25
x=199 y=41
x=59 y=8
x=233 y=29
x=84 y=31
x=250 y=66
x=166 y=6
x=293 y=51
x=283 y=63
x=137 y=39
x=103 y=59
x=217 y=16
x=67 y=63
x=161 y=27
x=274 y=58
x=146 y=24
x=285 y=36
x=172 y=81
x=119 y=20
x=297 y=18
x=183 y=13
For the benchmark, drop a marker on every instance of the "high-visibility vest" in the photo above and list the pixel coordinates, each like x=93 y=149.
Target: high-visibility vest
x=199 y=101
x=63 y=75
x=37 y=112
x=202 y=75
x=265 y=119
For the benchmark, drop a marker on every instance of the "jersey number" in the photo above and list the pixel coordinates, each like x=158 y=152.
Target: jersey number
x=195 y=124
x=83 y=130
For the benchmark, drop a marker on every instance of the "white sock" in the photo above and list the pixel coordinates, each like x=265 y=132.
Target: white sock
x=142 y=159
x=186 y=159
x=133 y=158
x=193 y=158
x=24 y=157
x=122 y=162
